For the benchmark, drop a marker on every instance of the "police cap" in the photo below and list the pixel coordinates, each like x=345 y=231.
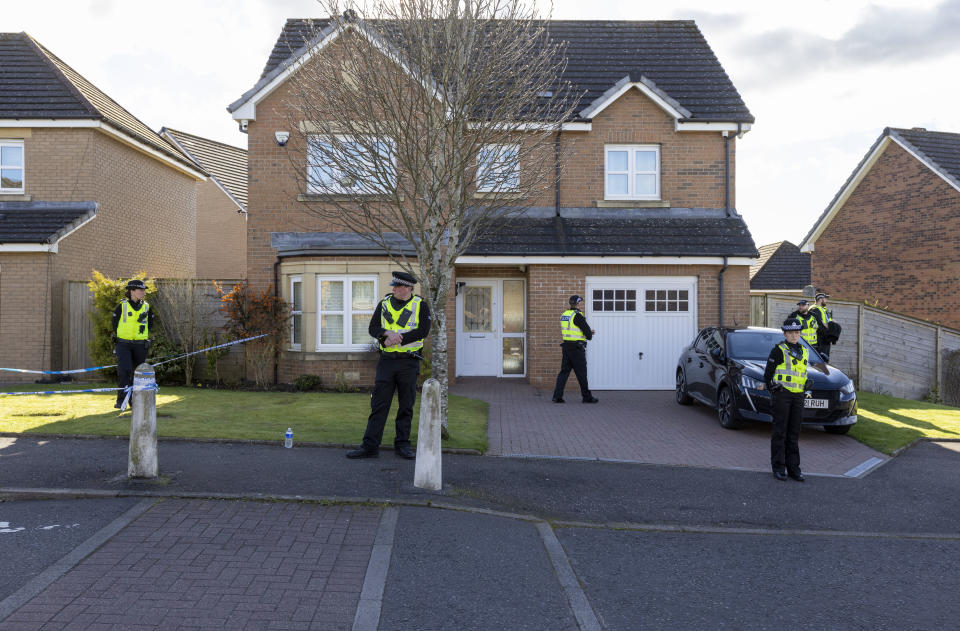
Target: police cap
x=574 y=299
x=791 y=324
x=802 y=302
x=821 y=295
x=136 y=283
x=403 y=279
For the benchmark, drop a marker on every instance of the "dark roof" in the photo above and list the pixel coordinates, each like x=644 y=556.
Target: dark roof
x=42 y=222
x=673 y=54
x=781 y=266
x=941 y=149
x=225 y=163
x=35 y=83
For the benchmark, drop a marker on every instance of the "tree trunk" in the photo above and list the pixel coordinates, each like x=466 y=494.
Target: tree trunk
x=438 y=341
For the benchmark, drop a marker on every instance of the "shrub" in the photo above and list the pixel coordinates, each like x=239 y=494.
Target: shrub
x=249 y=314
x=307 y=383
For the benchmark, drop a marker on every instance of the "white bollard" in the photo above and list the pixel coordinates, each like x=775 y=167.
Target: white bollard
x=143 y=461
x=427 y=473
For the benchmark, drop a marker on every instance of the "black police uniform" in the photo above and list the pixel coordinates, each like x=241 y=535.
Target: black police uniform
x=396 y=372
x=787 y=416
x=575 y=359
x=130 y=353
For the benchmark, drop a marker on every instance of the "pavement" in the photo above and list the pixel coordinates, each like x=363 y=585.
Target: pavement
x=252 y=536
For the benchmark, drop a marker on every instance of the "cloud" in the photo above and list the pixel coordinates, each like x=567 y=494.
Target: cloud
x=882 y=36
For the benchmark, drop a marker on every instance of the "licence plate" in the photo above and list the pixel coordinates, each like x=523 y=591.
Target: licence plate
x=816 y=403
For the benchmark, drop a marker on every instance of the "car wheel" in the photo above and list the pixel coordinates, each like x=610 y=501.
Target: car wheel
x=682 y=397
x=727 y=409
x=837 y=429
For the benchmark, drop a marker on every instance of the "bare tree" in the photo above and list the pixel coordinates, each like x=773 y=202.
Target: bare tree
x=426 y=123
x=184 y=316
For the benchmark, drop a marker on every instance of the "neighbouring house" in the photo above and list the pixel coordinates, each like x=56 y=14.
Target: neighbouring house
x=891 y=235
x=654 y=263
x=782 y=267
x=221 y=205
x=84 y=185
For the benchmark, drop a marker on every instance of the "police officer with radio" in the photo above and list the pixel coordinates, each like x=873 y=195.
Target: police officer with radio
x=810 y=321
x=786 y=379
x=400 y=323
x=824 y=317
x=575 y=333
x=132 y=320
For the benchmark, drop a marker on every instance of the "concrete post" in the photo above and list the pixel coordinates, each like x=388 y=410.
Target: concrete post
x=427 y=473
x=143 y=461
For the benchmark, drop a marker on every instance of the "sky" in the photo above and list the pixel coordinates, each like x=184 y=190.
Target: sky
x=822 y=77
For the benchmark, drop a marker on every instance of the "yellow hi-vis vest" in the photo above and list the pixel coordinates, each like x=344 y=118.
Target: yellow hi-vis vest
x=128 y=328
x=792 y=372
x=570 y=331
x=402 y=320
x=809 y=331
x=824 y=314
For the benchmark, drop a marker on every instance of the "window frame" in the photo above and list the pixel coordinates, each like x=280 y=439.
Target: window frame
x=313 y=188
x=631 y=171
x=515 y=175
x=347 y=312
x=667 y=300
x=7 y=142
x=294 y=346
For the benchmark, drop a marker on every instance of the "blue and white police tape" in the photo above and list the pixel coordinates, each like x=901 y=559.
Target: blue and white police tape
x=64 y=391
x=165 y=361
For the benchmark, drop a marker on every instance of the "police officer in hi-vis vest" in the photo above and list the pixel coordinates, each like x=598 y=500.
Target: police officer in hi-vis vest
x=786 y=379
x=824 y=317
x=400 y=323
x=132 y=320
x=575 y=332
x=809 y=320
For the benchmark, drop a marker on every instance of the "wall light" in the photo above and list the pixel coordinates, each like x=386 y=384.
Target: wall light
x=282 y=137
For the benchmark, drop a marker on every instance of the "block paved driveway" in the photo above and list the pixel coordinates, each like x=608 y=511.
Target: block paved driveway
x=644 y=426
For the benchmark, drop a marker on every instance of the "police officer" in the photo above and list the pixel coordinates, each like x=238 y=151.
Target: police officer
x=400 y=323
x=575 y=332
x=786 y=379
x=132 y=320
x=825 y=317
x=810 y=322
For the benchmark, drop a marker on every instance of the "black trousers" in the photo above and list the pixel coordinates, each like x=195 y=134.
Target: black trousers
x=785 y=435
x=130 y=354
x=575 y=359
x=824 y=349
x=393 y=375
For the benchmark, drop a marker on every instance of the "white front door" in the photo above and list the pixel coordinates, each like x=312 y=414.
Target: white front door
x=491 y=328
x=642 y=324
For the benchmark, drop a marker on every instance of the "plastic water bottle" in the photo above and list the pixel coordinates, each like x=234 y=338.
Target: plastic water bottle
x=288 y=438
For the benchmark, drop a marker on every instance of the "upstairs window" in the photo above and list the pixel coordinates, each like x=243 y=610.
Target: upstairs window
x=366 y=167
x=11 y=166
x=498 y=169
x=632 y=171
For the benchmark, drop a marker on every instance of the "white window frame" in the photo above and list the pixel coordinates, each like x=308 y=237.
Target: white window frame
x=294 y=312
x=631 y=171
x=338 y=189
x=22 y=168
x=347 y=312
x=482 y=169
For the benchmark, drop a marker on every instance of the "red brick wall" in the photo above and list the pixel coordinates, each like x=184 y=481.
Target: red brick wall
x=895 y=241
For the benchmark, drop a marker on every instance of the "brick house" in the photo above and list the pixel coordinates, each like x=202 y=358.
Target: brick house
x=654 y=265
x=781 y=267
x=85 y=185
x=221 y=204
x=892 y=232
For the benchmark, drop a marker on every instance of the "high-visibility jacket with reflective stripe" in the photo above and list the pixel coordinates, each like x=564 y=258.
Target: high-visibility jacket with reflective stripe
x=402 y=320
x=129 y=328
x=570 y=331
x=809 y=331
x=791 y=373
x=824 y=314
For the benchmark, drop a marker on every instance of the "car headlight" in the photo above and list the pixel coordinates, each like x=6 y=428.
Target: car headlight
x=751 y=383
x=847 y=387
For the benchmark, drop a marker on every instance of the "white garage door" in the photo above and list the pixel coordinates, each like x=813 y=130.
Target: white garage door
x=652 y=316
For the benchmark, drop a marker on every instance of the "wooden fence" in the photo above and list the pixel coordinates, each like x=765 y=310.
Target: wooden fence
x=880 y=350
x=78 y=329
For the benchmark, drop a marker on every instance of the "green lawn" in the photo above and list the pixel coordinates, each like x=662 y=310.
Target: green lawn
x=888 y=423
x=203 y=413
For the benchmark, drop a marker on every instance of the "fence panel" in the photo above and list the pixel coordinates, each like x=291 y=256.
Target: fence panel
x=77 y=326
x=899 y=356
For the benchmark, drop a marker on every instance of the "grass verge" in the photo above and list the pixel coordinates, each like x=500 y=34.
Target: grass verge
x=887 y=423
x=202 y=413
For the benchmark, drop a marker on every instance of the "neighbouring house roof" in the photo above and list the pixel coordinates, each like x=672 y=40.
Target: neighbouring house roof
x=669 y=59
x=938 y=151
x=42 y=222
x=226 y=164
x=577 y=232
x=36 y=84
x=781 y=266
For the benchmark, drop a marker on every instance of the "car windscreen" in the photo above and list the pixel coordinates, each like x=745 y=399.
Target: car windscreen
x=756 y=345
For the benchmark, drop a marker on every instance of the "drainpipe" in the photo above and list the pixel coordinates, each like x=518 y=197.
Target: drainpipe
x=556 y=183
x=276 y=294
x=726 y=178
x=722 y=270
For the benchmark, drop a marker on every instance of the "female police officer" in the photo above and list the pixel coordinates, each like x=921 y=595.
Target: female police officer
x=786 y=379
x=132 y=320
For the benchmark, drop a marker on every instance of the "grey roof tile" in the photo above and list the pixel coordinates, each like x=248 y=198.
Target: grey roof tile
x=42 y=222
x=942 y=149
x=781 y=266
x=226 y=163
